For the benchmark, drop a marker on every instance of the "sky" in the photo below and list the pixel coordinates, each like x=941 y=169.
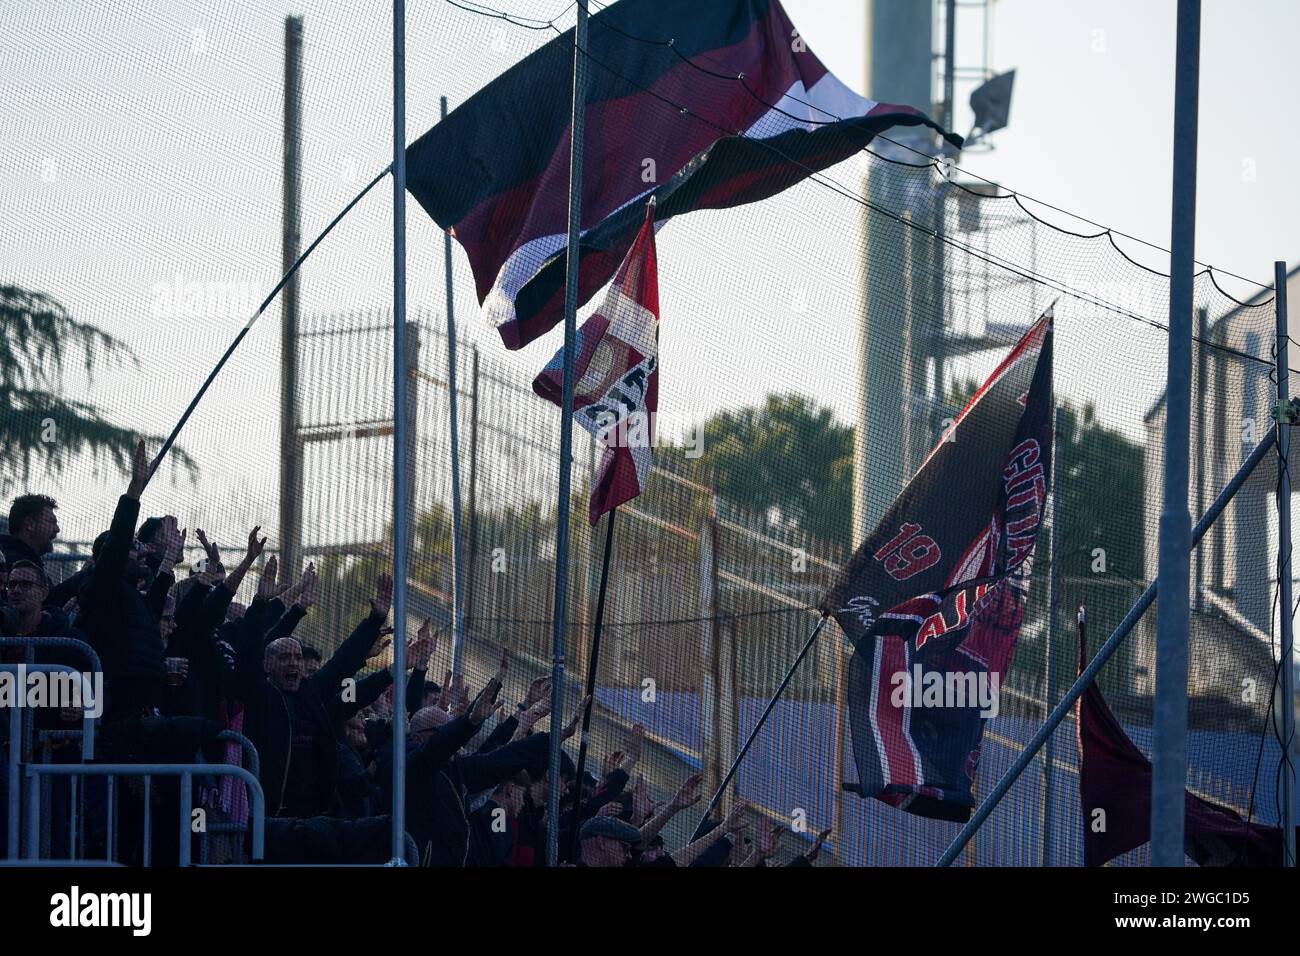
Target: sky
x=143 y=149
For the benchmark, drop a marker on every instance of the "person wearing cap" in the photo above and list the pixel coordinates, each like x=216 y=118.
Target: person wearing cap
x=607 y=841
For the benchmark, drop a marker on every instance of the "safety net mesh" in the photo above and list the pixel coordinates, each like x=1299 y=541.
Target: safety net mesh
x=838 y=325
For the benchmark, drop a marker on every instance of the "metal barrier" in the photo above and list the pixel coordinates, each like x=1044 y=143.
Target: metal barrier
x=94 y=666
x=20 y=740
x=252 y=763
x=186 y=773
x=71 y=643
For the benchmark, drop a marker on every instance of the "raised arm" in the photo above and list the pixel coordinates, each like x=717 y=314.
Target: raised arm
x=236 y=577
x=299 y=598
x=693 y=851
x=353 y=653
x=688 y=794
x=173 y=546
x=111 y=562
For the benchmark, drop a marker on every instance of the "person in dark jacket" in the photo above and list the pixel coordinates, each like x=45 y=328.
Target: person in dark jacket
x=200 y=610
x=496 y=824
x=120 y=622
x=359 y=795
x=288 y=717
x=29 y=617
x=32 y=530
x=440 y=779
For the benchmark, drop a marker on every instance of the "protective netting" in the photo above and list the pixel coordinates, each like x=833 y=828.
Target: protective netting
x=143 y=176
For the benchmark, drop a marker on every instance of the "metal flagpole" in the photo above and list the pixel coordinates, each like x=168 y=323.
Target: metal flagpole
x=401 y=518
x=1053 y=632
x=753 y=734
x=594 y=657
x=1173 y=617
x=1284 y=567
x=566 y=432
x=1103 y=655
x=457 y=553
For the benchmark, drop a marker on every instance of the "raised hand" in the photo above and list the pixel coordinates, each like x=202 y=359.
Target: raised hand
x=642 y=807
x=382 y=640
x=485 y=702
x=767 y=839
x=255 y=546
x=688 y=794
x=139 y=471
x=383 y=599
x=267 y=586
x=571 y=727
x=421 y=649
x=297 y=594
x=459 y=696
x=209 y=549
x=445 y=695
x=307 y=592
x=735 y=820
x=632 y=747
x=214 y=570
x=538 y=689
x=529 y=718
x=811 y=855
x=611 y=763
x=172 y=541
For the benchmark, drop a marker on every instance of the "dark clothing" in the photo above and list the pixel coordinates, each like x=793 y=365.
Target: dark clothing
x=359 y=795
x=289 y=620
x=438 y=783
x=493 y=836
x=198 y=614
x=120 y=626
x=318 y=840
x=16 y=549
x=313 y=759
x=63 y=592
x=294 y=734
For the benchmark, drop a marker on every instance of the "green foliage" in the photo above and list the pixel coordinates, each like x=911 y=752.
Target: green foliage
x=39 y=427
x=787 y=458
x=1101 y=487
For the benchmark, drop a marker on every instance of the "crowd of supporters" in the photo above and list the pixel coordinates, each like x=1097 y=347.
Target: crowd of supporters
x=183 y=660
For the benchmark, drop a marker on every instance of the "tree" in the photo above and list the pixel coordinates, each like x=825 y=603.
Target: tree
x=787 y=459
x=1101 y=486
x=39 y=426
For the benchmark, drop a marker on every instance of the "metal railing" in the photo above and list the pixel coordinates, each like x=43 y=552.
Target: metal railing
x=20 y=750
x=185 y=772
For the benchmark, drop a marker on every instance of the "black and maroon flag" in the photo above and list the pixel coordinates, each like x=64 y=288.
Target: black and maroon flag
x=616 y=375
x=735 y=109
x=934 y=597
x=1115 y=792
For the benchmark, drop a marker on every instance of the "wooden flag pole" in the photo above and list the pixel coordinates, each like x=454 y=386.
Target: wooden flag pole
x=589 y=693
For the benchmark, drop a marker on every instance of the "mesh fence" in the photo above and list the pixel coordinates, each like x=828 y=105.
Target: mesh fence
x=145 y=176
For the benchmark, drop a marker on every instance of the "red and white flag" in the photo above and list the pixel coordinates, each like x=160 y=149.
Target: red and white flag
x=616 y=375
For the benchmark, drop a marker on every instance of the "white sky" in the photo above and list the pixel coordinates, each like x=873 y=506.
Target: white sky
x=142 y=147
